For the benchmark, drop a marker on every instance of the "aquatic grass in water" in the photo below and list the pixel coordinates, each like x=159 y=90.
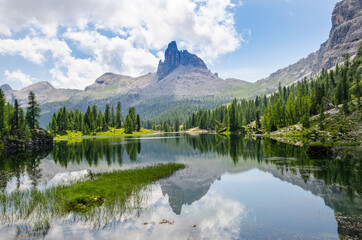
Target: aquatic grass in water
x=99 y=198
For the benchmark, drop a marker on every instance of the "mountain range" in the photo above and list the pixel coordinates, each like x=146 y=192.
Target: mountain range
x=183 y=81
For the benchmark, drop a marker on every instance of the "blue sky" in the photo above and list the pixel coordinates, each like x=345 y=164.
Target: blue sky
x=70 y=44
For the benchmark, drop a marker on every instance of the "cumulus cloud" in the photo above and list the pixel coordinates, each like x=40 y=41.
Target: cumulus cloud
x=136 y=32
x=18 y=78
x=215 y=217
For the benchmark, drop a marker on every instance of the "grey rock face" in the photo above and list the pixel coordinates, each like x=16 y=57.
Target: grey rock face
x=345 y=37
x=175 y=58
x=6 y=87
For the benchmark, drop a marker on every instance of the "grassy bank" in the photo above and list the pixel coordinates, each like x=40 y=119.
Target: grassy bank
x=111 y=133
x=111 y=187
x=338 y=128
x=109 y=194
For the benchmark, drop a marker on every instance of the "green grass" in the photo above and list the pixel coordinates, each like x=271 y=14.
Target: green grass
x=111 y=133
x=111 y=187
x=101 y=196
x=334 y=124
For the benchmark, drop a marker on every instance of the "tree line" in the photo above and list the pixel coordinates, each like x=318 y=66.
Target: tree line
x=13 y=119
x=94 y=120
x=289 y=104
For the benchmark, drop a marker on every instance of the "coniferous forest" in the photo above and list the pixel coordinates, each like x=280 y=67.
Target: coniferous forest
x=94 y=120
x=14 y=119
x=290 y=104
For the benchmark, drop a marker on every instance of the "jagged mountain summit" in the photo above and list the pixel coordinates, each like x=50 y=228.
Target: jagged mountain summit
x=174 y=58
x=183 y=80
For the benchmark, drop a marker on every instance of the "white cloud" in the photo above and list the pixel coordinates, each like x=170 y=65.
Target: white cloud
x=34 y=48
x=139 y=30
x=18 y=78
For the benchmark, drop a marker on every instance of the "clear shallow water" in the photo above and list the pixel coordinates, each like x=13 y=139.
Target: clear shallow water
x=233 y=188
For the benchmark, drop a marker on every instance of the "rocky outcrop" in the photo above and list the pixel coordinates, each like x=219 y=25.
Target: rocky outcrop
x=345 y=37
x=6 y=87
x=175 y=58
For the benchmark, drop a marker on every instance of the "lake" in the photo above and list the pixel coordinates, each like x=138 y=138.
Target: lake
x=232 y=188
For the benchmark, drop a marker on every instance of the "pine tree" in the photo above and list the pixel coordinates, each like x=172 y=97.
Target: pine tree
x=119 y=117
x=129 y=127
x=321 y=116
x=32 y=112
x=14 y=122
x=133 y=116
x=305 y=120
x=53 y=126
x=257 y=121
x=108 y=115
x=165 y=127
x=138 y=125
x=176 y=126
x=113 y=121
x=233 y=116
x=2 y=111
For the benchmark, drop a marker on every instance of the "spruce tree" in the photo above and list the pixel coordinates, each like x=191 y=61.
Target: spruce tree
x=138 y=125
x=14 y=122
x=133 y=116
x=129 y=127
x=176 y=126
x=119 y=117
x=32 y=112
x=2 y=111
x=233 y=117
x=257 y=121
x=108 y=115
x=321 y=116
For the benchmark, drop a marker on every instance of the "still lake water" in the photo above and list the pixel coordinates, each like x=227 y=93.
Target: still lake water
x=232 y=188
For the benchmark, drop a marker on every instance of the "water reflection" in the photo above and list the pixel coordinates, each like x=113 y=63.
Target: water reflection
x=191 y=191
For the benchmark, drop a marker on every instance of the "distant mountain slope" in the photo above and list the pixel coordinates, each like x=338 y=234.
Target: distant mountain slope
x=183 y=81
x=345 y=36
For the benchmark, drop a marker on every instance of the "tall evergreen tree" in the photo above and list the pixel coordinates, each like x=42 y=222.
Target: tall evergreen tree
x=233 y=116
x=14 y=122
x=138 y=125
x=257 y=121
x=2 y=111
x=132 y=115
x=176 y=127
x=108 y=115
x=129 y=127
x=119 y=117
x=32 y=112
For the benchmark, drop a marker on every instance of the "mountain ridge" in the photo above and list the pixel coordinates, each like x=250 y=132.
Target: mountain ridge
x=183 y=79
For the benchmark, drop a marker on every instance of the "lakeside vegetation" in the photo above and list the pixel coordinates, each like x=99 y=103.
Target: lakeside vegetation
x=20 y=131
x=340 y=88
x=112 y=132
x=111 y=189
x=93 y=121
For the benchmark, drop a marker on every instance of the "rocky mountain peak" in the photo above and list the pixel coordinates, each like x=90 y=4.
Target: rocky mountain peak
x=175 y=58
x=6 y=87
x=345 y=11
x=345 y=35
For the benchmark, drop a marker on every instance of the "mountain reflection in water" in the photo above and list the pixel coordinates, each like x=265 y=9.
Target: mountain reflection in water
x=230 y=179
